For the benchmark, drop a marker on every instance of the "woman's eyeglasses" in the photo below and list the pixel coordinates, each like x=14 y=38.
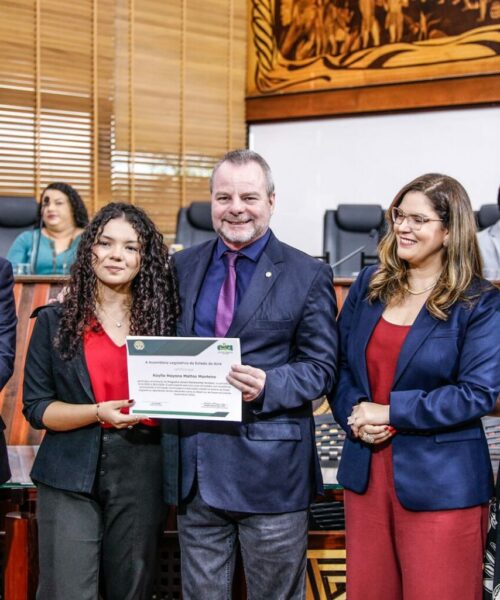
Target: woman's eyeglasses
x=414 y=221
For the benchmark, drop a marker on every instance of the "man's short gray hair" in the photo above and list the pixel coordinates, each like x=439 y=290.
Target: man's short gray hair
x=243 y=157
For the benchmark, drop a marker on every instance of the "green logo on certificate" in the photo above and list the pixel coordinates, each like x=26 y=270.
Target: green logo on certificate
x=225 y=348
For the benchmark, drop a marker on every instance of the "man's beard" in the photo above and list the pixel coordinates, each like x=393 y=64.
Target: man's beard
x=242 y=237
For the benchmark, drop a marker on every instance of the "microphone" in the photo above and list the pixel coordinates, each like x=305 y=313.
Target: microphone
x=35 y=246
x=373 y=234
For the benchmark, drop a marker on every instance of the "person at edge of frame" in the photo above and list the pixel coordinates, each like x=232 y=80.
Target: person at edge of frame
x=8 y=322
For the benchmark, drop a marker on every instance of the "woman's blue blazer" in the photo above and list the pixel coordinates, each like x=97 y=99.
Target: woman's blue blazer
x=447 y=378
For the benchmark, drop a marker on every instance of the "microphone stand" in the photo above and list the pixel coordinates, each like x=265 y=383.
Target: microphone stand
x=35 y=246
x=348 y=256
x=372 y=234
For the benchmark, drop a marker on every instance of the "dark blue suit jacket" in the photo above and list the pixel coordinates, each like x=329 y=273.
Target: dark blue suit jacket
x=8 y=323
x=447 y=378
x=286 y=324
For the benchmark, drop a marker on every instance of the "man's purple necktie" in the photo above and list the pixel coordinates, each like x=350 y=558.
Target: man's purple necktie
x=227 y=297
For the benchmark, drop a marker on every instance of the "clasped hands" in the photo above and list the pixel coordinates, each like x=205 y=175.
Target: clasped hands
x=370 y=422
x=249 y=380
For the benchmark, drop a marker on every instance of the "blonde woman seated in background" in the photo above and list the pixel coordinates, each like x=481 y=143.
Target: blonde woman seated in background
x=420 y=341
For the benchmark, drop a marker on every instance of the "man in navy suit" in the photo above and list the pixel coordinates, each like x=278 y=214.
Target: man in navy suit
x=251 y=482
x=8 y=322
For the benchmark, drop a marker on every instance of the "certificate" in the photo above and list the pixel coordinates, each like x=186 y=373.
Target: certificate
x=183 y=378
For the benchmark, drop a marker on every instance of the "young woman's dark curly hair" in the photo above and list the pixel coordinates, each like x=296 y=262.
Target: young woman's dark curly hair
x=78 y=209
x=155 y=303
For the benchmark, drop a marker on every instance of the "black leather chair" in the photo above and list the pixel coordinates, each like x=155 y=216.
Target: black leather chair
x=351 y=228
x=17 y=214
x=487 y=216
x=194 y=224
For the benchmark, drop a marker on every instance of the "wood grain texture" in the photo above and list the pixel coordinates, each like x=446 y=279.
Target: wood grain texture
x=124 y=100
x=29 y=293
x=21 y=556
x=448 y=93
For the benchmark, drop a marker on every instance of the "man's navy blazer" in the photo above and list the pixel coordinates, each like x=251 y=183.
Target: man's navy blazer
x=8 y=321
x=286 y=325
x=447 y=378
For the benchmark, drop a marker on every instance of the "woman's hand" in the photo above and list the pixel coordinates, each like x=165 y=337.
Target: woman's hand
x=368 y=413
x=63 y=416
x=375 y=434
x=110 y=412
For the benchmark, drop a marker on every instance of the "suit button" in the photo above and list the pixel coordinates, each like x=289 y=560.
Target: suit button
x=102 y=472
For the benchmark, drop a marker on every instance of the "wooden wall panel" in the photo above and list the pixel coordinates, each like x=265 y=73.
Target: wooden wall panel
x=424 y=95
x=30 y=293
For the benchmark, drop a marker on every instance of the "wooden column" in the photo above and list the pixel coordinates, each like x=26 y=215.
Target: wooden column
x=21 y=563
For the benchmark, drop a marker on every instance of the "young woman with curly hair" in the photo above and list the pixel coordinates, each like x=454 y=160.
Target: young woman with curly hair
x=420 y=341
x=99 y=469
x=52 y=249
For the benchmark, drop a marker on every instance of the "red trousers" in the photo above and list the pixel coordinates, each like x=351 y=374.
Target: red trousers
x=398 y=554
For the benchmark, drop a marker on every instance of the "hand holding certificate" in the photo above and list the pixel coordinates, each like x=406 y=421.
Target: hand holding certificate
x=183 y=378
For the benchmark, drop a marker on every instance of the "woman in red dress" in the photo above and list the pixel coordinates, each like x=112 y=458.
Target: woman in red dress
x=99 y=469
x=420 y=340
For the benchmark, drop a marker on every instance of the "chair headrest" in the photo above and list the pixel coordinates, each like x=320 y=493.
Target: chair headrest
x=359 y=217
x=200 y=216
x=488 y=215
x=18 y=211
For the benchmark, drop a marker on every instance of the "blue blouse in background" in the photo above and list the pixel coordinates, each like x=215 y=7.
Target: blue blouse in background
x=48 y=262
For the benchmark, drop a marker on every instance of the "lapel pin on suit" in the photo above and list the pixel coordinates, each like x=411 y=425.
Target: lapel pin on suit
x=268 y=274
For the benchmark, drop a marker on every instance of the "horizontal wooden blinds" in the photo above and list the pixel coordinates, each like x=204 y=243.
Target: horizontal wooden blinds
x=130 y=100
x=17 y=98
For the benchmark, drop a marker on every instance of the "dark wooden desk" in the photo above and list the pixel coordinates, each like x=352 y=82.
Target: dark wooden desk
x=30 y=293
